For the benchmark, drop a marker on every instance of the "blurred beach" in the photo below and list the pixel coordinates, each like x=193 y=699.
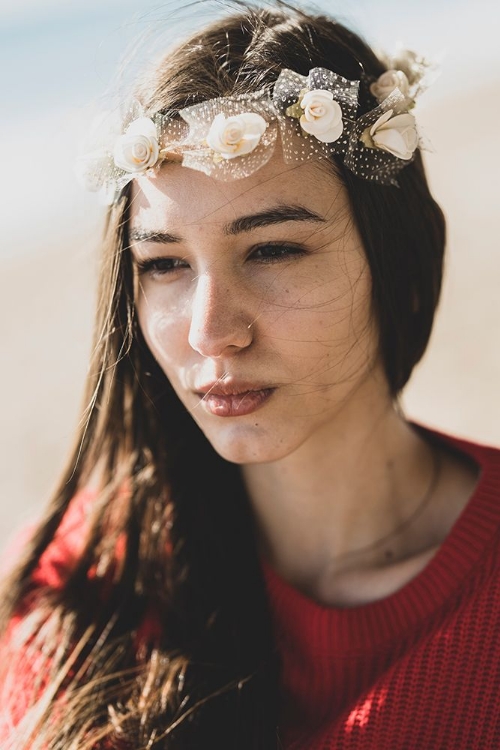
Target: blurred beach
x=48 y=269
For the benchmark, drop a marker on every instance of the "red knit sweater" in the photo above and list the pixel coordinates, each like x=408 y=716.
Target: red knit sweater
x=419 y=669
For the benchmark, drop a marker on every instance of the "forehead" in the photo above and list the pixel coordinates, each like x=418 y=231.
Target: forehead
x=178 y=195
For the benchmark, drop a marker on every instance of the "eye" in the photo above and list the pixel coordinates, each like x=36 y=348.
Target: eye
x=160 y=266
x=273 y=252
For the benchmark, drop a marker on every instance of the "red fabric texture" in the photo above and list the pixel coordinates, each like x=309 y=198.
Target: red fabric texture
x=417 y=670
x=54 y=566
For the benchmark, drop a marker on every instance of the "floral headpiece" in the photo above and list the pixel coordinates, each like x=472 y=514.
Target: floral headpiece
x=231 y=137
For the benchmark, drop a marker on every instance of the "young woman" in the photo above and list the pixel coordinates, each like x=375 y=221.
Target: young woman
x=252 y=547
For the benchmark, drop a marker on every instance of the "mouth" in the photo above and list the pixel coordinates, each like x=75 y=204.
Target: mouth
x=233 y=400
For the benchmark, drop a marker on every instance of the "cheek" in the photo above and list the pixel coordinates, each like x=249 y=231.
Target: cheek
x=331 y=331
x=323 y=305
x=165 y=330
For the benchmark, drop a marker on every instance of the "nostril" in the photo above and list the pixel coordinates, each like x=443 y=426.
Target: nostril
x=217 y=334
x=219 y=321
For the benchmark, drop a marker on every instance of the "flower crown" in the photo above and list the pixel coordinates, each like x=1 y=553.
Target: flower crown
x=231 y=137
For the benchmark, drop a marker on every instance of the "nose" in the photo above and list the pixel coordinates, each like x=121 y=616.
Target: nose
x=219 y=324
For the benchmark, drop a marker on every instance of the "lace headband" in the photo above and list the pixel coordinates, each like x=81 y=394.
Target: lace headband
x=231 y=137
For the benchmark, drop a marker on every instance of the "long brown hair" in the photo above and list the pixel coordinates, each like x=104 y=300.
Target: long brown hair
x=169 y=539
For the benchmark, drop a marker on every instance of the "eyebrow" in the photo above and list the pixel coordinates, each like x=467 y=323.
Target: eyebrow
x=275 y=215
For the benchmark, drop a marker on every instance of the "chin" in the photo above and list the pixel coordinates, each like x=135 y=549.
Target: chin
x=247 y=444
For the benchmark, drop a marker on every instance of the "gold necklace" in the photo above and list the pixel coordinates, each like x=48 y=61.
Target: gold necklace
x=436 y=472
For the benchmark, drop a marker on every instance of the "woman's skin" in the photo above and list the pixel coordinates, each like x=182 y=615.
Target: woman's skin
x=274 y=351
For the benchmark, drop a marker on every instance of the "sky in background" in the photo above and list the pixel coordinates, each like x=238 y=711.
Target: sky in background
x=58 y=56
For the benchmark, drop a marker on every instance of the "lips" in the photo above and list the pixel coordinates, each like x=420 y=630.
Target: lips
x=233 y=399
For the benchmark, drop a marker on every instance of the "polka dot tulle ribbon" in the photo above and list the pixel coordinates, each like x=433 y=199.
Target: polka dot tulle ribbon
x=229 y=138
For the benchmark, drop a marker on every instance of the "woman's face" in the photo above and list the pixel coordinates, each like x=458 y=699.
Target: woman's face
x=254 y=298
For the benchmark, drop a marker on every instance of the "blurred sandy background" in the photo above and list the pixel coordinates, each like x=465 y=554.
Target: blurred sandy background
x=57 y=58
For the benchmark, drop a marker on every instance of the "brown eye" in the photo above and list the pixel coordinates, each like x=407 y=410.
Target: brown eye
x=274 y=252
x=160 y=266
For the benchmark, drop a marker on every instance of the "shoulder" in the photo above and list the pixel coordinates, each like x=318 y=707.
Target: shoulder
x=63 y=551
x=23 y=665
x=468 y=451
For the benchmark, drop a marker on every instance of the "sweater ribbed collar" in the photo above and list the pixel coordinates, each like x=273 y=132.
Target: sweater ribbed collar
x=330 y=631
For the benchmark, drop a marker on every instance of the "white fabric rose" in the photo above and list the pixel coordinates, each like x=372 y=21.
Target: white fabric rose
x=236 y=135
x=387 y=82
x=138 y=149
x=322 y=115
x=397 y=135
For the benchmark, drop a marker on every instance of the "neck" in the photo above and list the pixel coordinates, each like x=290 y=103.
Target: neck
x=349 y=486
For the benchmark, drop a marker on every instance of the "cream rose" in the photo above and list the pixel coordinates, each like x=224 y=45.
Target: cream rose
x=236 y=135
x=387 y=82
x=322 y=115
x=397 y=135
x=138 y=149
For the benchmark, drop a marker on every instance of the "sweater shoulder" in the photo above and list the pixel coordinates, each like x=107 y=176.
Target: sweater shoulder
x=61 y=554
x=22 y=661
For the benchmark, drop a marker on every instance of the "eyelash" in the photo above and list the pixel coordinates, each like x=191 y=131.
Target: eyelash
x=285 y=251
x=163 y=266
x=158 y=266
